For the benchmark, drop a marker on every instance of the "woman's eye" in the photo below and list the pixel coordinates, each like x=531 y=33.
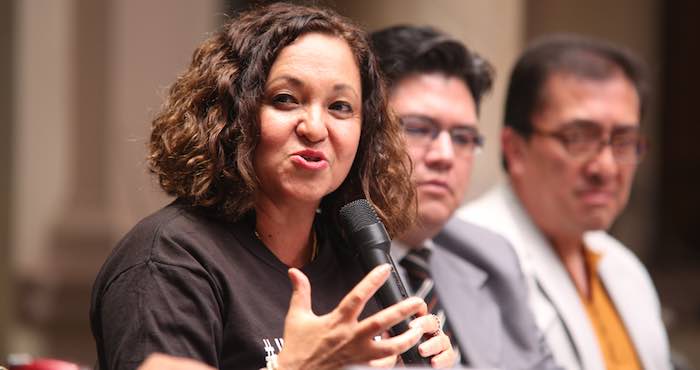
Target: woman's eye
x=341 y=106
x=284 y=100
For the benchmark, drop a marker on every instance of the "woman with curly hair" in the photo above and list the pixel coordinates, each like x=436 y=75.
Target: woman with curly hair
x=279 y=121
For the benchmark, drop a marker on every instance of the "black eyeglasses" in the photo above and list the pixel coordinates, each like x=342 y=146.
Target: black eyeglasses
x=422 y=130
x=584 y=140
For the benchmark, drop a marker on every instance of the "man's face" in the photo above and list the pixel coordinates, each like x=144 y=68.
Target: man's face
x=568 y=193
x=442 y=164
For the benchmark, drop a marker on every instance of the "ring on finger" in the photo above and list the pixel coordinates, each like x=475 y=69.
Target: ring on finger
x=439 y=325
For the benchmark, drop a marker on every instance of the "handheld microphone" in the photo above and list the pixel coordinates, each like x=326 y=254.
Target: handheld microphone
x=367 y=233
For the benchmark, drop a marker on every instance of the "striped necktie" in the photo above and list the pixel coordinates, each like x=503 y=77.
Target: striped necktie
x=416 y=263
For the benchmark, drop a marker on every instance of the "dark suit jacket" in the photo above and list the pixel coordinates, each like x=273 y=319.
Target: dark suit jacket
x=484 y=294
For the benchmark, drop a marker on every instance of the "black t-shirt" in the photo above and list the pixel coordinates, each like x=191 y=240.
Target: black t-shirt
x=189 y=285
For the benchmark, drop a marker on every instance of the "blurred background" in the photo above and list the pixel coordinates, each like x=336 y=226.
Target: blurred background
x=81 y=79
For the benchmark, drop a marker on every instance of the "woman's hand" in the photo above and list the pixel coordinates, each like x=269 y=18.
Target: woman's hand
x=337 y=339
x=438 y=345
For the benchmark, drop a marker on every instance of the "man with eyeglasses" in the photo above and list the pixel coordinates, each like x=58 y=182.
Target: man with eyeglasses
x=468 y=276
x=571 y=145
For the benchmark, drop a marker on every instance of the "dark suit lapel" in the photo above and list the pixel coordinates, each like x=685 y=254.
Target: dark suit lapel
x=471 y=311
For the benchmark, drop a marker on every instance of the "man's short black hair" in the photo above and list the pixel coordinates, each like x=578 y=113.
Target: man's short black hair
x=405 y=50
x=566 y=54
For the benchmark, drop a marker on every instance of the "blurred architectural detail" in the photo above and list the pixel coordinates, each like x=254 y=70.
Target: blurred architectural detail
x=678 y=142
x=677 y=253
x=53 y=294
x=6 y=134
x=90 y=75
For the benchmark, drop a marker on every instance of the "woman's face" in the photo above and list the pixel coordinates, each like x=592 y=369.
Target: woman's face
x=310 y=120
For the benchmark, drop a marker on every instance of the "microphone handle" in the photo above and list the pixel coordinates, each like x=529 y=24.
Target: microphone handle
x=390 y=293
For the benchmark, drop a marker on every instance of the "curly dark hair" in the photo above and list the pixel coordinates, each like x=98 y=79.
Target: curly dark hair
x=203 y=140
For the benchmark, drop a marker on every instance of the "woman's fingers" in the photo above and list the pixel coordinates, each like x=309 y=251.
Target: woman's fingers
x=390 y=316
x=446 y=358
x=353 y=303
x=440 y=349
x=434 y=345
x=396 y=345
x=430 y=324
x=423 y=310
x=384 y=363
x=309 y=337
x=301 y=291
x=438 y=346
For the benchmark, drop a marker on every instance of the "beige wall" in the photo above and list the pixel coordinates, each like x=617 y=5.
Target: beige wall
x=150 y=48
x=89 y=75
x=43 y=90
x=6 y=129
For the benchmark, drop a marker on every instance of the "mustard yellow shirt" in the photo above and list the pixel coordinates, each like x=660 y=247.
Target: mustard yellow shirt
x=615 y=344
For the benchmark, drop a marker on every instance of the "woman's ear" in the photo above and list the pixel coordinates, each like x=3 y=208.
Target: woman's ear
x=513 y=147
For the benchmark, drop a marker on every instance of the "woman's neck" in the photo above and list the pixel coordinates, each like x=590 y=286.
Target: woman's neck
x=286 y=230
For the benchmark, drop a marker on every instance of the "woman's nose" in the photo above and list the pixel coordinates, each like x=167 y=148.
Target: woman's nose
x=312 y=125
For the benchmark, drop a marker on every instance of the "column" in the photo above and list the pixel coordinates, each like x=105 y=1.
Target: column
x=91 y=75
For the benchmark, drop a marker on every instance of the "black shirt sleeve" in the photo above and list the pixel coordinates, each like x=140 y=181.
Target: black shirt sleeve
x=159 y=307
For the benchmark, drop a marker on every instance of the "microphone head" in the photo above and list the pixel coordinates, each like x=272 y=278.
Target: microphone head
x=357 y=215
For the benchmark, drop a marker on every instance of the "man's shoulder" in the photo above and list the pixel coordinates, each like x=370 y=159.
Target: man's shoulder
x=489 y=264
x=614 y=253
x=477 y=245
x=467 y=234
x=494 y=210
